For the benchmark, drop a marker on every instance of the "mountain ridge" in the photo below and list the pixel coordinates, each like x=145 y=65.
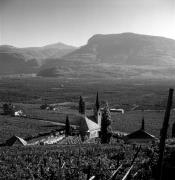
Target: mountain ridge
x=125 y=47
x=120 y=55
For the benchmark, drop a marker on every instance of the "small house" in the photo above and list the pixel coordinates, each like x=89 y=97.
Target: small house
x=16 y=141
x=140 y=136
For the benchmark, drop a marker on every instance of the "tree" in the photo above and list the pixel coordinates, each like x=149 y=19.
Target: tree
x=81 y=106
x=105 y=125
x=143 y=124
x=173 y=130
x=97 y=104
x=67 y=127
x=8 y=109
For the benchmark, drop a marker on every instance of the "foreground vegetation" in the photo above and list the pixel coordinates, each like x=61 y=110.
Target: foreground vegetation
x=75 y=161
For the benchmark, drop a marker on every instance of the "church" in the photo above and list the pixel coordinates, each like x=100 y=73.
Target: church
x=90 y=126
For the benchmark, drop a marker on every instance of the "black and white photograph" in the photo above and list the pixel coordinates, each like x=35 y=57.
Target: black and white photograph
x=87 y=89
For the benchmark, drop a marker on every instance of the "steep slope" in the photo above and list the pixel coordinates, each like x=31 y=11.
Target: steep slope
x=127 y=49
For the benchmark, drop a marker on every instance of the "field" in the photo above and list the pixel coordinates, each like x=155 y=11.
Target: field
x=126 y=94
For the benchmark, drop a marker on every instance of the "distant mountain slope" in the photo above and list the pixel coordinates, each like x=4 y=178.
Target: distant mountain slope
x=26 y=60
x=127 y=49
x=14 y=63
x=39 y=53
x=125 y=55
x=49 y=51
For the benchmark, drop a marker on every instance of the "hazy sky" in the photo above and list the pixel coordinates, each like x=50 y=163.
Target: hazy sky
x=39 y=22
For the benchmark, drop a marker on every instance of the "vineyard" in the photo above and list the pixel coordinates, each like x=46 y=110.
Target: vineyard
x=83 y=161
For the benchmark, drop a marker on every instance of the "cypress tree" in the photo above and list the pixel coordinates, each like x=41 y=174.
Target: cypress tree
x=173 y=130
x=143 y=124
x=67 y=127
x=105 y=125
x=81 y=106
x=97 y=104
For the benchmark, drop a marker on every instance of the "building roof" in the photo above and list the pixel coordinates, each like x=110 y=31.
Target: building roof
x=15 y=139
x=92 y=118
x=88 y=125
x=140 y=135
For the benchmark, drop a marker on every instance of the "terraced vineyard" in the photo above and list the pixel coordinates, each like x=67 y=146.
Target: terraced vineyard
x=75 y=161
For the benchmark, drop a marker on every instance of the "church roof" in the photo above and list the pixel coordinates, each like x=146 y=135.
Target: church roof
x=88 y=125
x=92 y=118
